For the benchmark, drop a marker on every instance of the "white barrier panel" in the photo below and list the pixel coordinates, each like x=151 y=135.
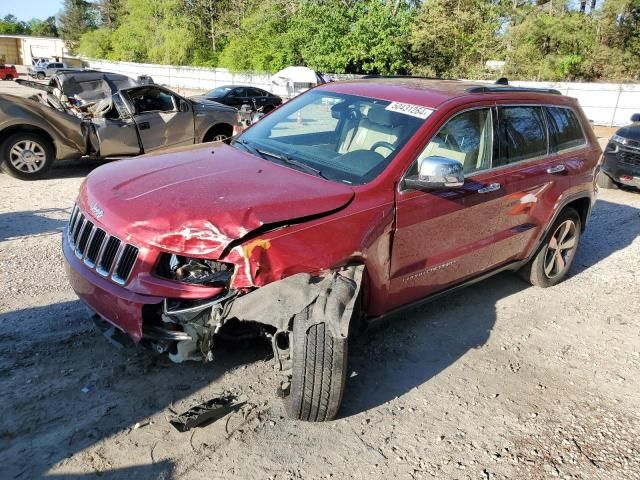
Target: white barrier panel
x=604 y=103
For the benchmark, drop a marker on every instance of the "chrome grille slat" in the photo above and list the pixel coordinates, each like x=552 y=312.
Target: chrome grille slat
x=108 y=256
x=83 y=238
x=76 y=229
x=105 y=253
x=127 y=260
x=94 y=246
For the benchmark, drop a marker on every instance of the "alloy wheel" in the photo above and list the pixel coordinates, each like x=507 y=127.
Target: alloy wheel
x=220 y=137
x=560 y=250
x=27 y=156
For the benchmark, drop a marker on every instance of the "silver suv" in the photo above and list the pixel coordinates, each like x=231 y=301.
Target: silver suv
x=47 y=70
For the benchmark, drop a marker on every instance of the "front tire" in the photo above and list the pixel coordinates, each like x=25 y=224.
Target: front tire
x=554 y=258
x=605 y=181
x=26 y=156
x=219 y=133
x=319 y=371
x=40 y=76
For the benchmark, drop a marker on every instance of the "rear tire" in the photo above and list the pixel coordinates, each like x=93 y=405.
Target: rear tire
x=605 y=181
x=40 y=76
x=553 y=260
x=319 y=371
x=26 y=156
x=8 y=77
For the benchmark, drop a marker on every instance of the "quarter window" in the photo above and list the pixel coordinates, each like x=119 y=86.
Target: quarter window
x=523 y=134
x=566 y=131
x=466 y=138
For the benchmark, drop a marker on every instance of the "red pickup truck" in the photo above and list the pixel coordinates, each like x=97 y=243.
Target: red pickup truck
x=8 y=72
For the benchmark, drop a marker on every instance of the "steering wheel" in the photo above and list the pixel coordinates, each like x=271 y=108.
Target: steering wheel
x=382 y=143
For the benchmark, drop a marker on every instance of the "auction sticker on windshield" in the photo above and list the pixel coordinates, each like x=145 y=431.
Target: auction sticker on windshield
x=409 y=109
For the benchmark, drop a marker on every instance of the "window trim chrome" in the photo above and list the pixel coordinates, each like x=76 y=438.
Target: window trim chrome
x=497 y=107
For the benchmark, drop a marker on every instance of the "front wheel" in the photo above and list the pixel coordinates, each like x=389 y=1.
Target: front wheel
x=40 y=76
x=26 y=156
x=553 y=260
x=319 y=370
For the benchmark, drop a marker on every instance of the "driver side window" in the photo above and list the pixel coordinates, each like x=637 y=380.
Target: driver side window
x=152 y=100
x=467 y=138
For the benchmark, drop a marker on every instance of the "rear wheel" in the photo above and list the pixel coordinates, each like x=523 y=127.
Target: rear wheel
x=40 y=76
x=318 y=372
x=8 y=77
x=26 y=156
x=552 y=262
x=605 y=181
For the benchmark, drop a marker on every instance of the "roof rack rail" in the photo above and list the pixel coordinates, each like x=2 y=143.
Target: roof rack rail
x=376 y=75
x=502 y=88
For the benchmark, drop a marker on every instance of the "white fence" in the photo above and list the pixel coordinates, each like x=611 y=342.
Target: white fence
x=604 y=103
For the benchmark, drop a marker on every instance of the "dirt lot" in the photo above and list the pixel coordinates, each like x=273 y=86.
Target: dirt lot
x=500 y=380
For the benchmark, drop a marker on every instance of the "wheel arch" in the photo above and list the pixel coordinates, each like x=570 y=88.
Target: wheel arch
x=218 y=127
x=25 y=128
x=583 y=206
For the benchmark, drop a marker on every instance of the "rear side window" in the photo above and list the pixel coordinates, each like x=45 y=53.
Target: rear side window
x=565 y=128
x=523 y=134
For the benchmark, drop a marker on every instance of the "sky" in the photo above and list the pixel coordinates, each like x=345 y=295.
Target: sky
x=28 y=9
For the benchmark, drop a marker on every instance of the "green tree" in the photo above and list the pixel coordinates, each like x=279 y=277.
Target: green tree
x=77 y=17
x=10 y=25
x=452 y=38
x=43 y=28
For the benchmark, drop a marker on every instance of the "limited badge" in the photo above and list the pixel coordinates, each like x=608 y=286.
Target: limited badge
x=410 y=109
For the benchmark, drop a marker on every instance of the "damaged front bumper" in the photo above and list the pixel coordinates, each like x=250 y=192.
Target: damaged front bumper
x=186 y=328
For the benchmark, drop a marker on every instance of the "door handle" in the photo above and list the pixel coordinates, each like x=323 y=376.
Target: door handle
x=144 y=126
x=490 y=188
x=557 y=169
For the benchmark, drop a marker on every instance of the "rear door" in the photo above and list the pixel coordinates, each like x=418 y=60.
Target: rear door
x=163 y=119
x=237 y=97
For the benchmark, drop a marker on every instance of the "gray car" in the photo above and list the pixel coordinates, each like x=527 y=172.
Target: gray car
x=46 y=70
x=101 y=115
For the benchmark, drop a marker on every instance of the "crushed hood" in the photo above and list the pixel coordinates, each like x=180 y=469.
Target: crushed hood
x=198 y=200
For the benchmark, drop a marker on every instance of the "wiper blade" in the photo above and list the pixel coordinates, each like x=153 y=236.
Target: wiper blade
x=291 y=161
x=246 y=145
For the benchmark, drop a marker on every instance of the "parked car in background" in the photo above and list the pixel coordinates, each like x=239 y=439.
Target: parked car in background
x=46 y=70
x=238 y=95
x=621 y=159
x=8 y=72
x=101 y=115
x=345 y=205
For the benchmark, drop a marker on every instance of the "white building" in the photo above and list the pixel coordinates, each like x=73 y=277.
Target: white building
x=20 y=49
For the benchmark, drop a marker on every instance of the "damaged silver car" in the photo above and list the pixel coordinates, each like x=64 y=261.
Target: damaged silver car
x=101 y=115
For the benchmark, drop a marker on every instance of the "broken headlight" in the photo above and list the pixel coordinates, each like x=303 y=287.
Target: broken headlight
x=197 y=271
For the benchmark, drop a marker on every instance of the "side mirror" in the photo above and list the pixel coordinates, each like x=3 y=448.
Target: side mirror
x=184 y=106
x=635 y=117
x=437 y=173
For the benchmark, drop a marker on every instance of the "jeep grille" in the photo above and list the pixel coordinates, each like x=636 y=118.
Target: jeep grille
x=105 y=253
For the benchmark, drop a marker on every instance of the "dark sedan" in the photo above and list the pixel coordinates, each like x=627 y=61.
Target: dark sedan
x=621 y=163
x=238 y=95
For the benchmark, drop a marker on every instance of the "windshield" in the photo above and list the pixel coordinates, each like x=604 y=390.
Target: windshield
x=345 y=138
x=218 y=92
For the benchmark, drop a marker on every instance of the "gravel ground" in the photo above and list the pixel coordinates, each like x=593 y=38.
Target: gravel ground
x=498 y=381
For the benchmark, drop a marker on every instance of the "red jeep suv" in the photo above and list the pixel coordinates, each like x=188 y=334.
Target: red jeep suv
x=346 y=204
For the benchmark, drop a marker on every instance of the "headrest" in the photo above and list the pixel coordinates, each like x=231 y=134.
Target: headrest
x=380 y=116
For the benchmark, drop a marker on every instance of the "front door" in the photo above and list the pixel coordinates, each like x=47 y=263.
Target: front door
x=445 y=237
x=162 y=119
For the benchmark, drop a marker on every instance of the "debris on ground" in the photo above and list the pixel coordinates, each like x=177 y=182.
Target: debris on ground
x=206 y=412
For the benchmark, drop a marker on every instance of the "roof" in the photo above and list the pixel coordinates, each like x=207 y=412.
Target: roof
x=431 y=92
